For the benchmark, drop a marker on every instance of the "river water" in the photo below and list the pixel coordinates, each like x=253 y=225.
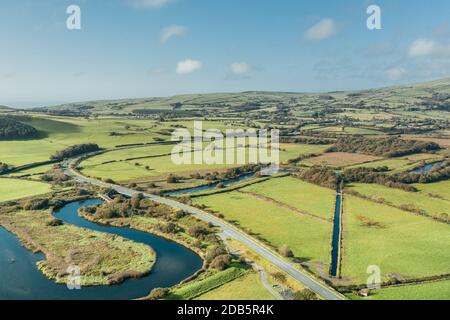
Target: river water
x=20 y=278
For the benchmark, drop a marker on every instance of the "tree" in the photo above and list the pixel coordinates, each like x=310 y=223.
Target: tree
x=221 y=262
x=136 y=200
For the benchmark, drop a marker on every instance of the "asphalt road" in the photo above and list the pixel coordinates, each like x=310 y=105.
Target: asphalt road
x=228 y=230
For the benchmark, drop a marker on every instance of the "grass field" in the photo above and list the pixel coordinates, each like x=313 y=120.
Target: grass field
x=437 y=189
x=101 y=258
x=427 y=291
x=33 y=171
x=247 y=287
x=402 y=244
x=123 y=170
x=296 y=193
x=309 y=238
x=397 y=197
x=12 y=189
x=199 y=287
x=340 y=159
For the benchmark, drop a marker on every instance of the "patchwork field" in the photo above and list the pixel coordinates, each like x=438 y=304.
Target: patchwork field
x=340 y=159
x=401 y=244
x=12 y=189
x=298 y=194
x=412 y=200
x=309 y=238
x=117 y=166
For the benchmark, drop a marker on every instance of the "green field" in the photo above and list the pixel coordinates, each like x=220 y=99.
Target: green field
x=199 y=287
x=247 y=287
x=296 y=193
x=309 y=238
x=402 y=244
x=428 y=291
x=397 y=197
x=437 y=189
x=12 y=189
x=101 y=166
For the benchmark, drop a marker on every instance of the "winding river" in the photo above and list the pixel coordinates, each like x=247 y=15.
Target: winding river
x=20 y=279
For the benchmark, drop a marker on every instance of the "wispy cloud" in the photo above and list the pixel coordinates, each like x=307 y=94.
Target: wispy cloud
x=149 y=3
x=321 y=30
x=395 y=74
x=427 y=48
x=188 y=66
x=172 y=31
x=240 y=68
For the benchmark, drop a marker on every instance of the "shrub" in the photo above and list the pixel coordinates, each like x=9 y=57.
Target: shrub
x=197 y=231
x=215 y=252
x=285 y=251
x=221 y=262
x=305 y=294
x=158 y=293
x=172 y=179
x=37 y=204
x=55 y=223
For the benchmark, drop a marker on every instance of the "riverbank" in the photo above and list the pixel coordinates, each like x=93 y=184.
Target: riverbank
x=102 y=259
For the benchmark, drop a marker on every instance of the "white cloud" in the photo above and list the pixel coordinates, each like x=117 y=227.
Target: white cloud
x=425 y=47
x=321 y=30
x=240 y=68
x=149 y=3
x=395 y=74
x=172 y=31
x=188 y=66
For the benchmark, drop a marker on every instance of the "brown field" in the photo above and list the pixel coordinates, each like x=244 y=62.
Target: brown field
x=444 y=143
x=341 y=159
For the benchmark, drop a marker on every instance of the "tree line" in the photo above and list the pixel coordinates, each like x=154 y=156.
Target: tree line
x=75 y=151
x=387 y=147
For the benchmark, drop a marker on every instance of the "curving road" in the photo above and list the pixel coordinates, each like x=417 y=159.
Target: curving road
x=228 y=231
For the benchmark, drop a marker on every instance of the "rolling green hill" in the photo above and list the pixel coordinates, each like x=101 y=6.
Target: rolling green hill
x=427 y=96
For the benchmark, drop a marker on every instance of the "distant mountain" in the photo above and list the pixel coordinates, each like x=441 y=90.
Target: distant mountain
x=429 y=95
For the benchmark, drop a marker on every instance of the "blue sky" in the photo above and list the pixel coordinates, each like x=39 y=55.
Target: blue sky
x=143 y=48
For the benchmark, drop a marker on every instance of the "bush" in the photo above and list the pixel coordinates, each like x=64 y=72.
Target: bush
x=83 y=192
x=158 y=293
x=285 y=251
x=55 y=223
x=197 y=232
x=215 y=252
x=305 y=294
x=221 y=262
x=37 y=204
x=172 y=179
